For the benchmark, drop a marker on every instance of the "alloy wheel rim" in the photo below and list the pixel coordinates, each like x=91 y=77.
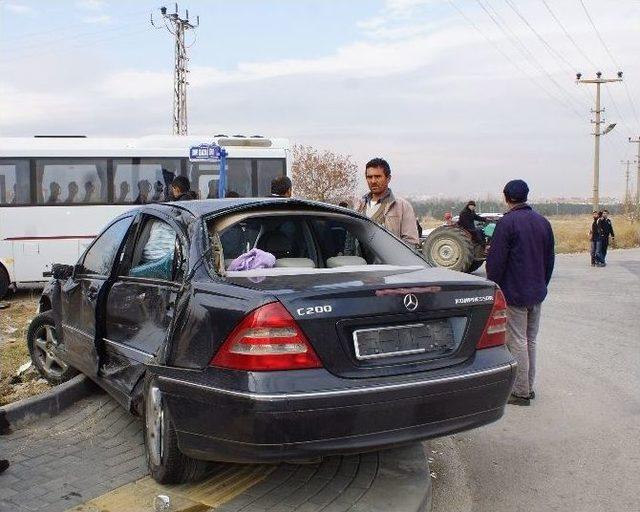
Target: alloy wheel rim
x=154 y=425
x=46 y=345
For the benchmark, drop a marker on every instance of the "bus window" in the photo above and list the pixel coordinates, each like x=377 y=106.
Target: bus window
x=239 y=176
x=267 y=171
x=204 y=178
x=143 y=180
x=14 y=182
x=71 y=181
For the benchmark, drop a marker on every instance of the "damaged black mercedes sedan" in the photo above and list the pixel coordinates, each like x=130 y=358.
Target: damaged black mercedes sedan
x=347 y=341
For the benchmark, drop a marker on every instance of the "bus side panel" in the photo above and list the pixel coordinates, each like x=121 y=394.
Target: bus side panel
x=42 y=235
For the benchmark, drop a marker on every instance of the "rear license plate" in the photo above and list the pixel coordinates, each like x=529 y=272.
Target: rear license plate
x=420 y=338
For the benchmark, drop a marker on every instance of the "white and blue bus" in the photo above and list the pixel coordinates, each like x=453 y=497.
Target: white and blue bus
x=56 y=193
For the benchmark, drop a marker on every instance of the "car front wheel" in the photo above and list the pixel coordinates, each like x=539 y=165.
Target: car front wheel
x=44 y=348
x=167 y=464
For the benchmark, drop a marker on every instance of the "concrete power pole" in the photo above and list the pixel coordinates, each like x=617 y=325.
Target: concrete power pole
x=596 y=156
x=627 y=190
x=178 y=26
x=637 y=141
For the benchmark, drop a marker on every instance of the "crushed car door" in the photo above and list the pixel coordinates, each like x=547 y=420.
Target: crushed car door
x=81 y=293
x=140 y=304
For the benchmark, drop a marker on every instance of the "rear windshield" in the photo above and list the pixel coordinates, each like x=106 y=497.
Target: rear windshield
x=275 y=240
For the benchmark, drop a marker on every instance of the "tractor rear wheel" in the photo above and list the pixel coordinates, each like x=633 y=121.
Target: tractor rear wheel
x=449 y=247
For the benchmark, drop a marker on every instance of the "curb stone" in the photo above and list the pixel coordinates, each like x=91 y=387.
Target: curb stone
x=403 y=483
x=47 y=404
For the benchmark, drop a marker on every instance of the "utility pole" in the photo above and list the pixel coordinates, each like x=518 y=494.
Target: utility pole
x=637 y=141
x=627 y=190
x=177 y=27
x=596 y=156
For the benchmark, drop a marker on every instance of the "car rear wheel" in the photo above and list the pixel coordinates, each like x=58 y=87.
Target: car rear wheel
x=44 y=348
x=4 y=282
x=167 y=464
x=449 y=247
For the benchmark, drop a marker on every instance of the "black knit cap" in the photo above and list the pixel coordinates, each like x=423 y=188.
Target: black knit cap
x=516 y=191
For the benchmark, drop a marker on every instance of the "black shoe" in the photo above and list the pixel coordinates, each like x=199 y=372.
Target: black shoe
x=532 y=395
x=518 y=400
x=4 y=464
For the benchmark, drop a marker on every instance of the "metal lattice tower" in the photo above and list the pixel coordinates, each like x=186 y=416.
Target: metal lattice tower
x=178 y=26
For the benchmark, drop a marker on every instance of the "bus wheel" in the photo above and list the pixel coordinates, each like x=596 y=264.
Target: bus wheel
x=4 y=282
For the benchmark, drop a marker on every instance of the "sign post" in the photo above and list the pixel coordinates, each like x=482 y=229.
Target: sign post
x=212 y=153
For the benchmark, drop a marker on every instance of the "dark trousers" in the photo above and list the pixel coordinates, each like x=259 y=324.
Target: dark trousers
x=596 y=251
x=605 y=246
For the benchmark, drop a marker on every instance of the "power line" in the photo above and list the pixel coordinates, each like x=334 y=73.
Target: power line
x=530 y=57
x=566 y=33
x=613 y=59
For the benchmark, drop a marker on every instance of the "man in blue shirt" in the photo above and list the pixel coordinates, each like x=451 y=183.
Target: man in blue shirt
x=520 y=261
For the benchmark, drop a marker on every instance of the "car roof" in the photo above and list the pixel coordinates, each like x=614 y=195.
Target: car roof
x=205 y=207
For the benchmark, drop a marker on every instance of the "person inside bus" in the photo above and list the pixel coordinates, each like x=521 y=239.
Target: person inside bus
x=54 y=193
x=281 y=187
x=144 y=187
x=72 y=190
x=89 y=188
x=181 y=189
x=213 y=190
x=124 y=192
x=158 y=189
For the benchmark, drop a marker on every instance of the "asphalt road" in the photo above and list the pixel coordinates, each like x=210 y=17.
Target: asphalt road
x=578 y=446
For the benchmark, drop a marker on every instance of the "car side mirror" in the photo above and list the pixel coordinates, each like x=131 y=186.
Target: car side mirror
x=61 y=272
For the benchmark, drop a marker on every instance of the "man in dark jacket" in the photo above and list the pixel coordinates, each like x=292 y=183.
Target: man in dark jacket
x=181 y=189
x=467 y=219
x=605 y=231
x=520 y=261
x=595 y=240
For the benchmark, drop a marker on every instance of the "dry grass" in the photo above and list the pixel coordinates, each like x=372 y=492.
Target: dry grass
x=14 y=322
x=572 y=232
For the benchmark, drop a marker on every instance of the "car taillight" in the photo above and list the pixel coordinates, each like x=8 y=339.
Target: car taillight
x=267 y=339
x=496 y=328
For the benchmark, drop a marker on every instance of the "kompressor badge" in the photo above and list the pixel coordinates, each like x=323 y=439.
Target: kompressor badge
x=473 y=300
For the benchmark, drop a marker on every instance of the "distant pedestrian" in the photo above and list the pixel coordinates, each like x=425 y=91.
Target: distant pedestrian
x=281 y=187
x=181 y=189
x=382 y=206
x=520 y=261
x=595 y=239
x=606 y=234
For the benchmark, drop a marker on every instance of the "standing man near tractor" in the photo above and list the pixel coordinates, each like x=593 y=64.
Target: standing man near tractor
x=382 y=206
x=520 y=261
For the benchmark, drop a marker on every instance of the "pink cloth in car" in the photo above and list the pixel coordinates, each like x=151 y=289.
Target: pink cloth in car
x=255 y=258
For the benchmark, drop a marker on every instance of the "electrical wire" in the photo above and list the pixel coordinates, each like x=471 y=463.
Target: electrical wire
x=613 y=59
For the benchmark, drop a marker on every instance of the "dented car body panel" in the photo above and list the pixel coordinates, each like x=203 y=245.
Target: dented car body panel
x=150 y=301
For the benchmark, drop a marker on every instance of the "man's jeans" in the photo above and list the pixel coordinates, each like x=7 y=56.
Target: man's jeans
x=522 y=329
x=596 y=251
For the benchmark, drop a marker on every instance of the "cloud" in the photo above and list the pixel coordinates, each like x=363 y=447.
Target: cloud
x=19 y=8
x=98 y=19
x=91 y=5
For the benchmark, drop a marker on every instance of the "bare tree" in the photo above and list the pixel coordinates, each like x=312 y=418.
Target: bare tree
x=323 y=175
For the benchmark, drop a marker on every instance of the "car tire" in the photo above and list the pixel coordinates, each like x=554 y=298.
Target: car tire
x=43 y=343
x=449 y=247
x=167 y=464
x=4 y=282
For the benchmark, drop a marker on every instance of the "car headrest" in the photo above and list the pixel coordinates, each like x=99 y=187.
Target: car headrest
x=345 y=261
x=277 y=243
x=295 y=263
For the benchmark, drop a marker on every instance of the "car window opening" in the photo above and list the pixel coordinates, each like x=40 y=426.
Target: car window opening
x=271 y=241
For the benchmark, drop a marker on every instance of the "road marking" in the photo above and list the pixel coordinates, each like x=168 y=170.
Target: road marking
x=224 y=485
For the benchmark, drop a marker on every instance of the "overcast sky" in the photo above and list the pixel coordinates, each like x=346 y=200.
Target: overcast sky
x=457 y=102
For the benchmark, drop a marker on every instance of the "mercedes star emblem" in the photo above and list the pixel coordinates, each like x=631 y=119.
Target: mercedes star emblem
x=410 y=301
